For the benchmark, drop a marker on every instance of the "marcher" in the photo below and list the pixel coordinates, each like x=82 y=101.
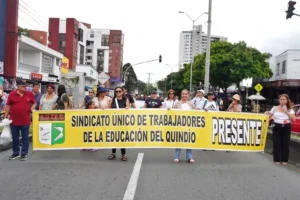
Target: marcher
x=210 y=104
x=129 y=97
x=235 y=106
x=184 y=104
x=283 y=115
x=3 y=98
x=49 y=99
x=170 y=101
x=119 y=101
x=37 y=94
x=19 y=106
x=199 y=100
x=153 y=101
x=62 y=102
x=90 y=105
x=101 y=100
x=87 y=98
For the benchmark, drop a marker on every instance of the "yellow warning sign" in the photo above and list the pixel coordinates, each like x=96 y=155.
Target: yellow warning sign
x=258 y=87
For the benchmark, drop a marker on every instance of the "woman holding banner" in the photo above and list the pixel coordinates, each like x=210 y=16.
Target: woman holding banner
x=184 y=104
x=283 y=115
x=235 y=106
x=170 y=100
x=119 y=101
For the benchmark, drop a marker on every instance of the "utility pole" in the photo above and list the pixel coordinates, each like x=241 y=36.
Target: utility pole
x=149 y=74
x=207 y=65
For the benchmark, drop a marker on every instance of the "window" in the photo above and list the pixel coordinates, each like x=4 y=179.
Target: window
x=80 y=35
x=105 y=40
x=116 y=37
x=283 y=67
x=57 y=62
x=116 y=44
x=92 y=35
x=277 y=69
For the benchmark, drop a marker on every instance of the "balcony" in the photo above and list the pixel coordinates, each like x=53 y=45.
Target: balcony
x=29 y=68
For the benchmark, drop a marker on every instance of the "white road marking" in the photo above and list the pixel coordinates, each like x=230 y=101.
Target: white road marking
x=131 y=187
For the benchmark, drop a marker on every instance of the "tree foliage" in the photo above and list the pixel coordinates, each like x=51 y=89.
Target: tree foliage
x=23 y=31
x=130 y=77
x=229 y=64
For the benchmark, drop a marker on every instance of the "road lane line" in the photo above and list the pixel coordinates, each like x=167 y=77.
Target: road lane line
x=132 y=184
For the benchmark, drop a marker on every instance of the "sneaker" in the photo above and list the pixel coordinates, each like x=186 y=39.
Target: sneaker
x=14 y=156
x=23 y=157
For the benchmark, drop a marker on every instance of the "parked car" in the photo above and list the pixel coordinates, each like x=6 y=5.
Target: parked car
x=295 y=124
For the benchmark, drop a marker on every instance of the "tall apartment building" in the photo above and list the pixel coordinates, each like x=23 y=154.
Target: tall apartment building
x=193 y=43
x=100 y=48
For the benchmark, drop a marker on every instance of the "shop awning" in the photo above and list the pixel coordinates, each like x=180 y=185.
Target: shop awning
x=88 y=88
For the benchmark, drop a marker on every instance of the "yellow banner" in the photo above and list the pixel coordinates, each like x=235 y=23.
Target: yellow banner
x=148 y=128
x=64 y=65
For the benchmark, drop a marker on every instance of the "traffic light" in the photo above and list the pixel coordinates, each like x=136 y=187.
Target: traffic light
x=160 y=58
x=291 y=8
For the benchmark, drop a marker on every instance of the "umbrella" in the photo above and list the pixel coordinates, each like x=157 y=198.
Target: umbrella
x=256 y=97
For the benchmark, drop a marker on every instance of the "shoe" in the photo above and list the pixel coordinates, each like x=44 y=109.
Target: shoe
x=14 y=156
x=23 y=157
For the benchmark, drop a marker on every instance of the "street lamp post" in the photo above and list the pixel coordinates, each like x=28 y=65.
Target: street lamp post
x=191 y=74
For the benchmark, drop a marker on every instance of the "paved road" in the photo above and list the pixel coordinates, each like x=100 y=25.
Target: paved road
x=75 y=175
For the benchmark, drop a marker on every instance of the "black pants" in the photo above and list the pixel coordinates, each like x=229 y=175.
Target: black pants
x=281 y=142
x=123 y=151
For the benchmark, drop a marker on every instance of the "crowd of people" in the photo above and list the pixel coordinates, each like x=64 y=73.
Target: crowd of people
x=21 y=103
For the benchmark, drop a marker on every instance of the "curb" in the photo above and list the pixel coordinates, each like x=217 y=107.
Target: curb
x=9 y=145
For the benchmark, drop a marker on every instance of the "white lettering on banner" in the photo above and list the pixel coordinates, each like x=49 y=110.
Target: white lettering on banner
x=237 y=131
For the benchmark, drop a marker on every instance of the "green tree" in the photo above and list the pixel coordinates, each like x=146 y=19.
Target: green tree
x=141 y=86
x=131 y=78
x=23 y=31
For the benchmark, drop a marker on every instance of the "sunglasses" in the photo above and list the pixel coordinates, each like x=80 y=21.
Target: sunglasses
x=118 y=91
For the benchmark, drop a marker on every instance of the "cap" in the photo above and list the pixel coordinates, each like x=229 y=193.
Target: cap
x=202 y=91
x=153 y=92
x=101 y=89
x=21 y=83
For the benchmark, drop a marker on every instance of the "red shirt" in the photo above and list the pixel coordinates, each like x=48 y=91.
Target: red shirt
x=20 y=107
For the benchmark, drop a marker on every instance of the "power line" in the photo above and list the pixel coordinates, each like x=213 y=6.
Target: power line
x=35 y=16
x=34 y=10
x=27 y=23
x=34 y=19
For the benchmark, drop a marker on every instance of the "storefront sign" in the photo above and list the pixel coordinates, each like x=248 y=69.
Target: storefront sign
x=36 y=76
x=64 y=65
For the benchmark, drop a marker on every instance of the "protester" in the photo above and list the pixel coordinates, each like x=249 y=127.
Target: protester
x=101 y=100
x=119 y=101
x=199 y=100
x=129 y=97
x=37 y=94
x=283 y=114
x=210 y=104
x=19 y=105
x=235 y=106
x=153 y=101
x=170 y=100
x=71 y=100
x=184 y=104
x=49 y=99
x=90 y=105
x=3 y=98
x=87 y=98
x=62 y=102
x=220 y=103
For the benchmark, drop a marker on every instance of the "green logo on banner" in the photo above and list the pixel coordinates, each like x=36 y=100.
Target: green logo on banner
x=52 y=133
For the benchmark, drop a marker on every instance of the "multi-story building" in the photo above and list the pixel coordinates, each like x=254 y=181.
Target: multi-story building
x=193 y=43
x=286 y=76
x=39 y=36
x=100 y=48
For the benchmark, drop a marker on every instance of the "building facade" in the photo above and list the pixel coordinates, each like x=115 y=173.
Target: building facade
x=39 y=36
x=286 y=77
x=193 y=43
x=100 y=48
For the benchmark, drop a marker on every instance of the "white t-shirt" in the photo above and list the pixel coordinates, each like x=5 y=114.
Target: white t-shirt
x=103 y=103
x=211 y=106
x=199 y=102
x=281 y=118
x=185 y=106
x=169 y=103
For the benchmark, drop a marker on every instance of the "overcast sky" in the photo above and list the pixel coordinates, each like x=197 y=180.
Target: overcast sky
x=152 y=27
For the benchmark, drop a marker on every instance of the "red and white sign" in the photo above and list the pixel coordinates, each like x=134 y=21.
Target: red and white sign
x=103 y=78
x=36 y=76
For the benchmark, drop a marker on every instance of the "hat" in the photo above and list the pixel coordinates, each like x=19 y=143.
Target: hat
x=202 y=91
x=107 y=89
x=210 y=93
x=101 y=89
x=236 y=97
x=21 y=83
x=153 y=92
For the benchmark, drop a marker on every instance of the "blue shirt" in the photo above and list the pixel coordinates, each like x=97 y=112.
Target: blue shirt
x=37 y=97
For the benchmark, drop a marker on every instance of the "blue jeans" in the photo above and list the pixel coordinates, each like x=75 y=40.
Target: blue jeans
x=189 y=153
x=15 y=131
